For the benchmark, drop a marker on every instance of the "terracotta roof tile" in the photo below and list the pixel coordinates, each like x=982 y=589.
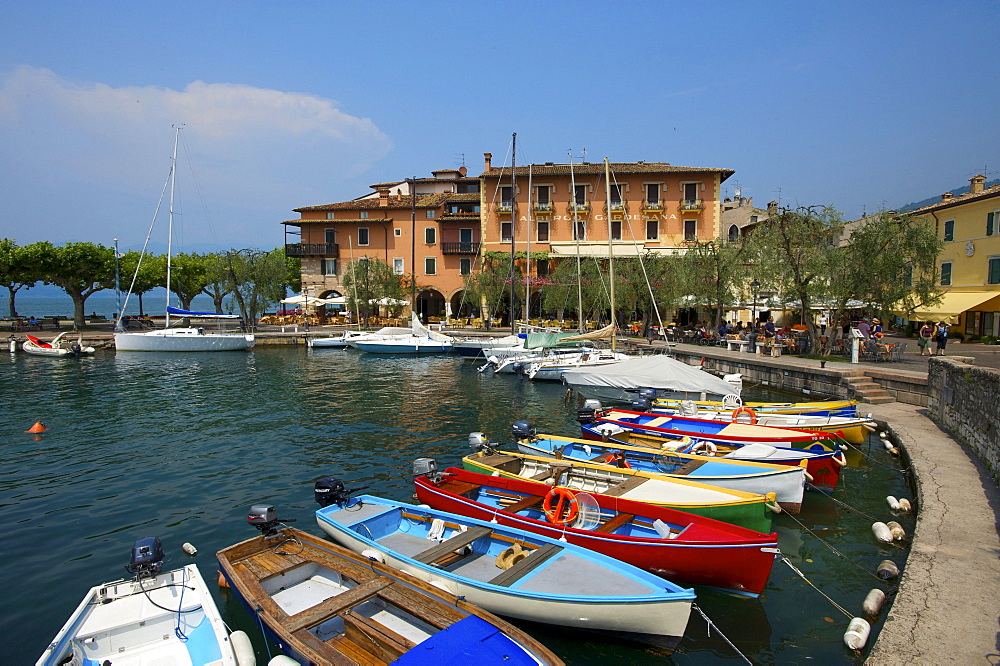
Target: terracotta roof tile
x=961 y=199
x=589 y=168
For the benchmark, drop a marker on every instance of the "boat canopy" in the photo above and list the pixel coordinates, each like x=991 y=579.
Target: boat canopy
x=543 y=340
x=658 y=372
x=188 y=313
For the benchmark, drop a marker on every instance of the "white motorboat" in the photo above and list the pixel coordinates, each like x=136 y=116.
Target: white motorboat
x=417 y=340
x=154 y=618
x=552 y=369
x=187 y=338
x=342 y=341
x=57 y=347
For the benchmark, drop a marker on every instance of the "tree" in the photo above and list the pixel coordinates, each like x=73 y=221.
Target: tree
x=81 y=269
x=188 y=277
x=143 y=273
x=491 y=285
x=16 y=270
x=369 y=282
x=712 y=271
x=256 y=280
x=217 y=282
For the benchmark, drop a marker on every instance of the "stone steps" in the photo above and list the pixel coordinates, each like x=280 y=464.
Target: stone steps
x=863 y=389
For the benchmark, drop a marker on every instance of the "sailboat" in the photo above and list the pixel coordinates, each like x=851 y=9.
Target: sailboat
x=179 y=339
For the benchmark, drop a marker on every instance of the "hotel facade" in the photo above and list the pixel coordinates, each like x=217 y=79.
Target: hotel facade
x=436 y=229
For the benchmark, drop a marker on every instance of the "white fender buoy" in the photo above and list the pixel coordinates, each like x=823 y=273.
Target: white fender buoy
x=882 y=532
x=373 y=554
x=883 y=435
x=773 y=506
x=809 y=477
x=898 y=533
x=281 y=660
x=887 y=444
x=873 y=603
x=13 y=346
x=904 y=505
x=869 y=427
x=857 y=633
x=892 y=502
x=242 y=648
x=894 y=451
x=887 y=570
x=189 y=549
x=840 y=458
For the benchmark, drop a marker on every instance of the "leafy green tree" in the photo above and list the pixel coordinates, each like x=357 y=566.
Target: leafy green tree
x=81 y=269
x=143 y=273
x=217 y=281
x=257 y=280
x=491 y=285
x=16 y=270
x=713 y=272
x=369 y=281
x=188 y=277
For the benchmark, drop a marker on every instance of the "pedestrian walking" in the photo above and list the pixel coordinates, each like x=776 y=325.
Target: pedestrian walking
x=924 y=338
x=823 y=320
x=941 y=339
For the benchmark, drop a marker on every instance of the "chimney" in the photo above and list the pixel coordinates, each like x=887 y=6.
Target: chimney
x=976 y=184
x=947 y=196
x=489 y=159
x=383 y=198
x=772 y=208
x=462 y=170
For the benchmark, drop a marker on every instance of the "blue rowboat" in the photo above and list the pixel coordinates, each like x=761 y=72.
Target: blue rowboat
x=786 y=482
x=512 y=572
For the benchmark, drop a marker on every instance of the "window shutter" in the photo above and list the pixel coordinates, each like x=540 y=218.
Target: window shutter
x=989 y=224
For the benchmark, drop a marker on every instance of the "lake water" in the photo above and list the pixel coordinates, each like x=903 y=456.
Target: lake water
x=48 y=301
x=179 y=446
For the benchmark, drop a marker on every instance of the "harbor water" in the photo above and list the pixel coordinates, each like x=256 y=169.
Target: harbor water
x=179 y=446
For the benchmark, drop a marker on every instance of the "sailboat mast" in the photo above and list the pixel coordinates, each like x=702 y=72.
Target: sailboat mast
x=611 y=253
x=513 y=221
x=576 y=235
x=527 y=253
x=170 y=224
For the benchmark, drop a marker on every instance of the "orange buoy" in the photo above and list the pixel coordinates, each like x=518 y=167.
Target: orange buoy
x=223 y=583
x=37 y=428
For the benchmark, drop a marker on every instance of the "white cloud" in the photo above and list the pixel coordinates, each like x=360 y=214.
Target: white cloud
x=250 y=147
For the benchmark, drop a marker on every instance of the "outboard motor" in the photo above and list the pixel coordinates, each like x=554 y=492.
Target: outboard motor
x=648 y=393
x=265 y=519
x=428 y=467
x=479 y=443
x=331 y=490
x=641 y=404
x=523 y=430
x=147 y=558
x=589 y=412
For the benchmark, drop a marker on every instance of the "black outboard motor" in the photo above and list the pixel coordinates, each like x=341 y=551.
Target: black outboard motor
x=641 y=404
x=523 y=430
x=589 y=412
x=648 y=393
x=147 y=558
x=330 y=490
x=265 y=519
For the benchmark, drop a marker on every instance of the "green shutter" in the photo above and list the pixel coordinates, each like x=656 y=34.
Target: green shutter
x=946 y=273
x=994 y=272
x=989 y=224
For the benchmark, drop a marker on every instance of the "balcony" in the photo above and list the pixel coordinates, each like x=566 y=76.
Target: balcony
x=580 y=208
x=652 y=206
x=617 y=207
x=459 y=248
x=311 y=249
x=505 y=207
x=543 y=206
x=692 y=205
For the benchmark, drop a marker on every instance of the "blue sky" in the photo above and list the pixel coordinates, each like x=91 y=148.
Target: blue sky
x=856 y=104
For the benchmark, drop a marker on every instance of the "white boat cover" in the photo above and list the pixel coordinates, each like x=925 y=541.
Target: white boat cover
x=422 y=331
x=658 y=372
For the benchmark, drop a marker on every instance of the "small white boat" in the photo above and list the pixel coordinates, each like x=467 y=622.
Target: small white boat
x=154 y=618
x=342 y=341
x=417 y=340
x=552 y=369
x=58 y=347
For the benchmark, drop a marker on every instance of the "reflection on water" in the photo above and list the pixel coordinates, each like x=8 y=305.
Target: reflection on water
x=179 y=446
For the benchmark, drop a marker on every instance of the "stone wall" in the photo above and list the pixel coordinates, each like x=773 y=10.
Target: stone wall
x=965 y=400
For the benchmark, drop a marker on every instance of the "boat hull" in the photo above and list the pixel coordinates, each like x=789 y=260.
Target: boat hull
x=408 y=347
x=740 y=565
x=829 y=408
x=658 y=618
x=182 y=340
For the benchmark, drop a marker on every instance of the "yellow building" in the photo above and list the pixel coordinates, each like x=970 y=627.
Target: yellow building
x=969 y=265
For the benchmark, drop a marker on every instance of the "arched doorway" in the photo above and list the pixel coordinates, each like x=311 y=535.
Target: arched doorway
x=430 y=303
x=462 y=307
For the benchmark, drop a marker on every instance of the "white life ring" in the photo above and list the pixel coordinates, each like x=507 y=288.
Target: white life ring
x=704 y=447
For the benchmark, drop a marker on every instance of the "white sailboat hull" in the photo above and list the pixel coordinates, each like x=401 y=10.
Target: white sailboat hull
x=183 y=340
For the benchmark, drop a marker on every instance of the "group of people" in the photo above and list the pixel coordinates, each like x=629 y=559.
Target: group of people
x=931 y=331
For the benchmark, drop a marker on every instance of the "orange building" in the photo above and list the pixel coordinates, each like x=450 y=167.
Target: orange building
x=439 y=225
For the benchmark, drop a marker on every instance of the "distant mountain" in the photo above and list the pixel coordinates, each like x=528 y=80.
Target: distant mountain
x=933 y=200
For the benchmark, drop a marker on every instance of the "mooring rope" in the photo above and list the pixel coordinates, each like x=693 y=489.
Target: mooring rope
x=832 y=548
x=810 y=583
x=843 y=504
x=711 y=624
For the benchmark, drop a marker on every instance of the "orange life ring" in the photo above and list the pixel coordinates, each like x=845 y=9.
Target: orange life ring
x=618 y=459
x=554 y=514
x=745 y=410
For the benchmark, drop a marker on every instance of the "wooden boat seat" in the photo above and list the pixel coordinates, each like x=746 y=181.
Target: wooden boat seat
x=689 y=467
x=625 y=486
x=612 y=524
x=461 y=487
x=335 y=605
x=527 y=565
x=525 y=503
x=444 y=549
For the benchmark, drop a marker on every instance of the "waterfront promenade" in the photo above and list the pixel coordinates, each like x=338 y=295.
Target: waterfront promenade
x=948 y=605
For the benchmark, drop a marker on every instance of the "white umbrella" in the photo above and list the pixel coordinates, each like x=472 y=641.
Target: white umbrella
x=302 y=299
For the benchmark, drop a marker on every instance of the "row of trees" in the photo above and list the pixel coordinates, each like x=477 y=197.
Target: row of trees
x=245 y=280
x=808 y=257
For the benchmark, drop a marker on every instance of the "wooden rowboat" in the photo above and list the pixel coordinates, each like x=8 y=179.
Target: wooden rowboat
x=679 y=546
x=511 y=572
x=323 y=604
x=827 y=408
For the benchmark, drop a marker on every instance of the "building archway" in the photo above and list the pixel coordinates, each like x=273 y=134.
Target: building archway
x=462 y=306
x=430 y=303
x=734 y=233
